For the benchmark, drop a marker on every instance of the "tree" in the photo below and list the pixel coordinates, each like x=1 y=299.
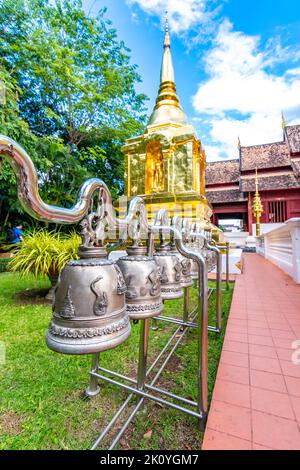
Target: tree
x=75 y=76
x=75 y=92
x=58 y=172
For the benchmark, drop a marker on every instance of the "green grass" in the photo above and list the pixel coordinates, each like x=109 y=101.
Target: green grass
x=41 y=405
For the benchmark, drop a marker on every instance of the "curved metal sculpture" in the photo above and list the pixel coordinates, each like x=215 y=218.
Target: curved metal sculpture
x=29 y=196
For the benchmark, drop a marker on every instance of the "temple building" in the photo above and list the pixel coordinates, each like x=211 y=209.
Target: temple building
x=230 y=184
x=166 y=164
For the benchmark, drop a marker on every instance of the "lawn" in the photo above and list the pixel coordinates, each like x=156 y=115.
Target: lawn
x=41 y=405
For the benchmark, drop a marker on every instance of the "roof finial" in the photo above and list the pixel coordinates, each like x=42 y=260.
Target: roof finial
x=239 y=143
x=257 y=205
x=283 y=120
x=167 y=42
x=166 y=20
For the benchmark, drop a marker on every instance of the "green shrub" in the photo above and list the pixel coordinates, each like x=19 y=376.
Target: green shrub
x=4 y=264
x=45 y=253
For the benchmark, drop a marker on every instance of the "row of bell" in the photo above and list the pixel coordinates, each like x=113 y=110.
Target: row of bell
x=95 y=297
x=198 y=246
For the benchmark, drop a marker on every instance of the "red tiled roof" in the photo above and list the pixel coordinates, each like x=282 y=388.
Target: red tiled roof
x=265 y=156
x=226 y=195
x=227 y=171
x=293 y=137
x=284 y=181
x=296 y=168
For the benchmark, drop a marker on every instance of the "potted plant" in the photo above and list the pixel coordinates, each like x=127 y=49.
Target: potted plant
x=45 y=253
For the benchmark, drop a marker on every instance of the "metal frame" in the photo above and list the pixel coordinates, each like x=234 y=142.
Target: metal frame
x=139 y=386
x=105 y=214
x=227 y=248
x=132 y=385
x=212 y=247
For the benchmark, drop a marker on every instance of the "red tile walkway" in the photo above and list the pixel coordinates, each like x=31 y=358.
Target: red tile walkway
x=256 y=399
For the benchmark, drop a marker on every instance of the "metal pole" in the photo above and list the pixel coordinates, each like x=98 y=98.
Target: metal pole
x=227 y=265
x=201 y=356
x=202 y=344
x=93 y=389
x=144 y=394
x=219 y=287
x=154 y=326
x=219 y=292
x=141 y=401
x=154 y=389
x=143 y=353
x=150 y=250
x=186 y=304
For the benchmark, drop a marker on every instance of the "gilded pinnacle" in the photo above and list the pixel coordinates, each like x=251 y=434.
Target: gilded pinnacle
x=167 y=41
x=283 y=120
x=167 y=108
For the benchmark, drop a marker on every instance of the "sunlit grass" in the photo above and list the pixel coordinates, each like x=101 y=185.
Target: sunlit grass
x=40 y=391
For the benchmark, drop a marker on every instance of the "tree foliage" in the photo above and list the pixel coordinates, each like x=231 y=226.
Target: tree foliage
x=70 y=94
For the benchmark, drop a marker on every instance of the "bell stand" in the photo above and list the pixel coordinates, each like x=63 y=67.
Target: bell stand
x=227 y=249
x=34 y=205
x=139 y=386
x=184 y=322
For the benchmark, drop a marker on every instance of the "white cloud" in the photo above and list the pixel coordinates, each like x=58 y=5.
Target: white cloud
x=238 y=79
x=257 y=129
x=240 y=82
x=295 y=71
x=183 y=14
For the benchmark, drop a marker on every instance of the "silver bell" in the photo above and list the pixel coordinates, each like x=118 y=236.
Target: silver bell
x=186 y=278
x=89 y=310
x=171 y=273
x=142 y=278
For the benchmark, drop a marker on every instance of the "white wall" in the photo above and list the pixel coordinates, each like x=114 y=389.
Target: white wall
x=282 y=246
x=235 y=255
x=236 y=238
x=265 y=228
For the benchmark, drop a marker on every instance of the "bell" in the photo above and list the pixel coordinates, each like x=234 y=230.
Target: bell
x=186 y=265
x=196 y=244
x=142 y=278
x=211 y=259
x=89 y=310
x=170 y=273
x=200 y=244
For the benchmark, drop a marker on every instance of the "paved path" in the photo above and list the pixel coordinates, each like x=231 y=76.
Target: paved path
x=256 y=399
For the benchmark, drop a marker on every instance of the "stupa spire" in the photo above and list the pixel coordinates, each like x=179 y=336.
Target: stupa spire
x=167 y=108
x=283 y=121
x=167 y=41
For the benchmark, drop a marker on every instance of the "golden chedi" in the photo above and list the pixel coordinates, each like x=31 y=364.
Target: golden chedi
x=166 y=164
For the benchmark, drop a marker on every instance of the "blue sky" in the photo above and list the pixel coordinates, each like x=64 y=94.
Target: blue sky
x=237 y=63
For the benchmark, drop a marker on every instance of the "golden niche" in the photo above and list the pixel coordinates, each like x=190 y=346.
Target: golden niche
x=155 y=177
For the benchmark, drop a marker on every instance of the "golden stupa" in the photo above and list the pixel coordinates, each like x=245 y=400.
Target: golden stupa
x=166 y=164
